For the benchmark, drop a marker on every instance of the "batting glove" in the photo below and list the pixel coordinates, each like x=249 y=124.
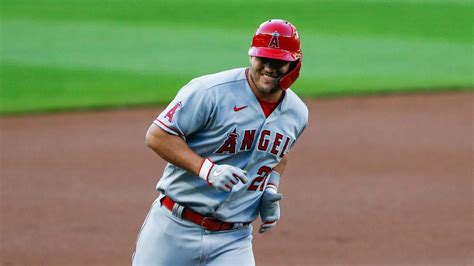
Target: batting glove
x=223 y=176
x=270 y=204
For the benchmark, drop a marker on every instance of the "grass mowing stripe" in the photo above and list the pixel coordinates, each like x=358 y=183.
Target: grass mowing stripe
x=427 y=19
x=397 y=61
x=121 y=46
x=39 y=89
x=31 y=89
x=34 y=89
x=166 y=51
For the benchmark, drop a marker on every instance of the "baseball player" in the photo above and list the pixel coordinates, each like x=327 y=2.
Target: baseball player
x=226 y=137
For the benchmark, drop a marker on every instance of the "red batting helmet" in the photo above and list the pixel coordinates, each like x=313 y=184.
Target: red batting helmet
x=279 y=39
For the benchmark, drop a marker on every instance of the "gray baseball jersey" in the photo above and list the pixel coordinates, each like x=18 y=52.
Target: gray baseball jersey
x=220 y=118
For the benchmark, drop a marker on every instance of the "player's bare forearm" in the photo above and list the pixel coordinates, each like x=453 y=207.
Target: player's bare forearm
x=280 y=168
x=173 y=149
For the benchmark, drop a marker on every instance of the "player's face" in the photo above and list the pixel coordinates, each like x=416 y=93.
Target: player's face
x=265 y=73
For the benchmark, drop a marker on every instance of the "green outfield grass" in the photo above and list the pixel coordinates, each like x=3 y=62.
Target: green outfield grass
x=58 y=55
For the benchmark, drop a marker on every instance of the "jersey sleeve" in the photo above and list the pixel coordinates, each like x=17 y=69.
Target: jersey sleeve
x=188 y=112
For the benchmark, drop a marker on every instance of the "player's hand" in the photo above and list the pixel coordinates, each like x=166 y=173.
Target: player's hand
x=222 y=176
x=269 y=209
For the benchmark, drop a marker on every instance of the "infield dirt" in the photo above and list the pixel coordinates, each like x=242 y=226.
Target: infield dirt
x=383 y=180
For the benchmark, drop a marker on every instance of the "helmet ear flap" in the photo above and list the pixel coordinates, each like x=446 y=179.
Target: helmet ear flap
x=287 y=80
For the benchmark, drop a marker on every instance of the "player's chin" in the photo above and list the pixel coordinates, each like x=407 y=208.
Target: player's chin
x=271 y=89
x=268 y=87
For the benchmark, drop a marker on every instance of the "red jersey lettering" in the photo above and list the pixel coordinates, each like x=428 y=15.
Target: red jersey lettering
x=247 y=142
x=263 y=143
x=172 y=111
x=229 y=144
x=276 y=143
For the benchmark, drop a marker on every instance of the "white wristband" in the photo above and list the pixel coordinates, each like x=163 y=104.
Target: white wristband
x=205 y=169
x=273 y=182
x=271 y=189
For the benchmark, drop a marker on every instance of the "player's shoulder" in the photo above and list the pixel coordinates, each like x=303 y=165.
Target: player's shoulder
x=208 y=85
x=218 y=79
x=296 y=103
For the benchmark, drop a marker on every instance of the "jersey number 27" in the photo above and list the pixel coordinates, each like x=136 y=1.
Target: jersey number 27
x=259 y=181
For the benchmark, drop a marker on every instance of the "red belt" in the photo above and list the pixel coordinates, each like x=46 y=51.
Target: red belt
x=208 y=223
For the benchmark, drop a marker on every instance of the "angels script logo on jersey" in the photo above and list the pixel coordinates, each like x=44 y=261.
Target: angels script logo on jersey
x=172 y=111
x=268 y=141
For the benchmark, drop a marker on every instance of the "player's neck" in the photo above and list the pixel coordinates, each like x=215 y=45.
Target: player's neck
x=270 y=98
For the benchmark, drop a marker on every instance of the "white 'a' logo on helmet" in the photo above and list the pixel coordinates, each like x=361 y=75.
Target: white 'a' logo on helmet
x=274 y=42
